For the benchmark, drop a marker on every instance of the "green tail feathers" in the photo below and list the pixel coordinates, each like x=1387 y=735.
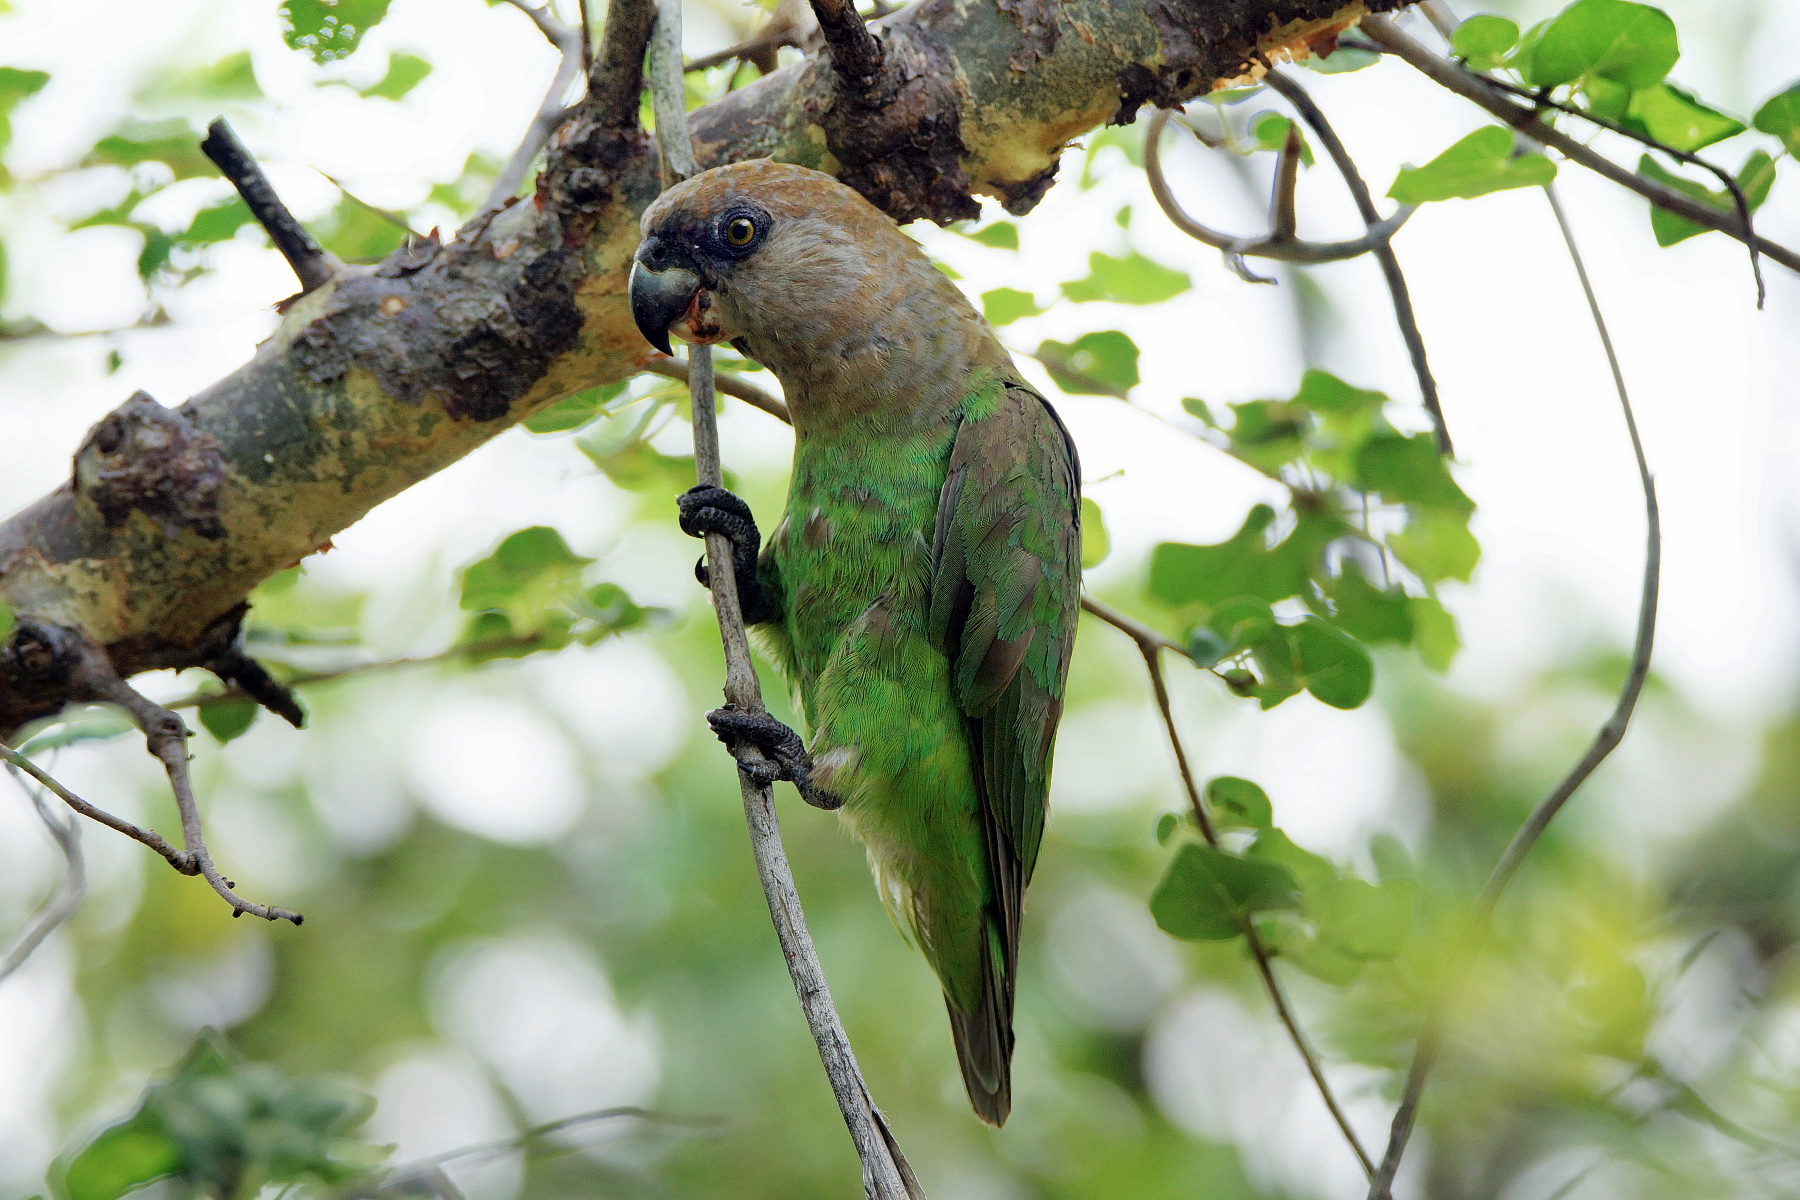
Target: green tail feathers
x=984 y=1043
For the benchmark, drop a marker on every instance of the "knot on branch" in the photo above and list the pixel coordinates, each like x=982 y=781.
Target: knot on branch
x=40 y=652
x=146 y=457
x=903 y=150
x=586 y=170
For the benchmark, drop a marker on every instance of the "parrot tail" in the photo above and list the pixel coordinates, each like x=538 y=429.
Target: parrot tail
x=984 y=1043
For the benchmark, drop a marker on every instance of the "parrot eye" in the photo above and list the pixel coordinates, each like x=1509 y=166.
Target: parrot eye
x=740 y=231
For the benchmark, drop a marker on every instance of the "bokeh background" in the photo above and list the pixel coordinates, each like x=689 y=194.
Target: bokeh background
x=527 y=887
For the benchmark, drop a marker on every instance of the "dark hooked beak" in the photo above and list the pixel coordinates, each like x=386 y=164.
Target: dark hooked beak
x=661 y=291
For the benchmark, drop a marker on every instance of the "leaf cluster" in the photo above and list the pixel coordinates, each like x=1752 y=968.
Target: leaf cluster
x=1348 y=473
x=1328 y=923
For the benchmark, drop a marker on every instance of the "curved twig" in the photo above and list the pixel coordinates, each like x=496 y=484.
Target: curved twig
x=1151 y=644
x=1431 y=1035
x=69 y=893
x=178 y=859
x=1384 y=252
x=886 y=1175
x=731 y=385
x=572 y=45
x=1273 y=245
x=1486 y=94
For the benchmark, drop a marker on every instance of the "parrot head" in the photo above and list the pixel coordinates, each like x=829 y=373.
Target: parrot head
x=794 y=268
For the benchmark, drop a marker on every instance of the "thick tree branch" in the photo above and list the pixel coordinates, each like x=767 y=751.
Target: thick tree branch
x=886 y=1175
x=1431 y=1035
x=1488 y=95
x=1384 y=252
x=311 y=264
x=385 y=375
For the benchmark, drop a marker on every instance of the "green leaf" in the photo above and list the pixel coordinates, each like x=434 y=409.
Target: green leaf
x=1408 y=470
x=17 y=83
x=637 y=466
x=1241 y=622
x=573 y=412
x=1324 y=961
x=1361 y=919
x=1095 y=364
x=172 y=142
x=157 y=248
x=122 y=1158
x=1243 y=566
x=1674 y=118
x=229 y=719
x=1003 y=306
x=1434 y=632
x=1270 y=131
x=1093 y=534
x=1341 y=60
x=1001 y=235
x=1235 y=95
x=1754 y=179
x=219 y=223
x=1207 y=894
x=1436 y=545
x=1331 y=664
x=1372 y=616
x=1274 y=846
x=1626 y=43
x=1133 y=279
x=93 y=725
x=404 y=73
x=1780 y=117
x=329 y=30
x=356 y=233
x=8 y=622
x=1233 y=801
x=1206 y=648
x=1484 y=40
x=231 y=78
x=1481 y=163
x=526 y=569
x=1325 y=393
x=1269 y=434
x=1166 y=825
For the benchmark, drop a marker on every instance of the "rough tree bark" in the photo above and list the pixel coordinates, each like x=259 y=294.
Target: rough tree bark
x=387 y=374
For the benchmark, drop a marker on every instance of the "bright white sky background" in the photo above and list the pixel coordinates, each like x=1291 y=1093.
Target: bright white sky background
x=1525 y=389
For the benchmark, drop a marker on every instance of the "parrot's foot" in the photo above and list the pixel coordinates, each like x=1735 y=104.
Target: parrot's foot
x=783 y=753
x=707 y=509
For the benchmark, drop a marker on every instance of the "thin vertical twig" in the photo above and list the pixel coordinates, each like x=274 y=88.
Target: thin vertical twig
x=1383 y=250
x=1431 y=1035
x=571 y=45
x=886 y=1175
x=1151 y=645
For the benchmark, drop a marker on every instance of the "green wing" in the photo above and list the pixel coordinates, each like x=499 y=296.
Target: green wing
x=1005 y=590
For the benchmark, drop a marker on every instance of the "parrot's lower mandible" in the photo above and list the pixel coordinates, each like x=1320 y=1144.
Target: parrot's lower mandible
x=921 y=589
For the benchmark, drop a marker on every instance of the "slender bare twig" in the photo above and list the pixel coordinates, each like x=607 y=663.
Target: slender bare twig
x=731 y=385
x=311 y=264
x=70 y=891
x=31 y=329
x=1151 y=645
x=572 y=45
x=1273 y=245
x=1486 y=94
x=886 y=1175
x=1739 y=200
x=1384 y=252
x=1431 y=1035
x=166 y=737
x=855 y=51
x=180 y=860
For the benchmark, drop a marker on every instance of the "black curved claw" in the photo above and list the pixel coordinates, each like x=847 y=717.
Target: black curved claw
x=708 y=509
x=783 y=753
